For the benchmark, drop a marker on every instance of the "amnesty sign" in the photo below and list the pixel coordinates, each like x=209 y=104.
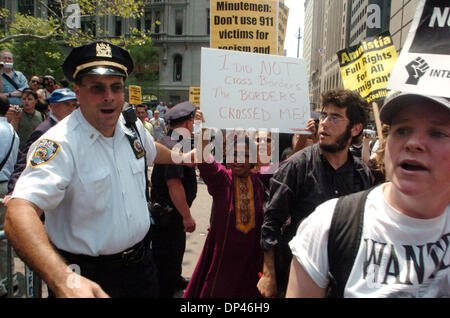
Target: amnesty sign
x=247 y=26
x=366 y=67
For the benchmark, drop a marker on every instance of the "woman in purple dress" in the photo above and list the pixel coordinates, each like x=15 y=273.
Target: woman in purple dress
x=232 y=257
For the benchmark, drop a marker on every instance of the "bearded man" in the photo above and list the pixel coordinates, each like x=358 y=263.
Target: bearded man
x=312 y=176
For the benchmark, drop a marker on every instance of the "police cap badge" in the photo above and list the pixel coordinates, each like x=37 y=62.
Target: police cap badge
x=97 y=58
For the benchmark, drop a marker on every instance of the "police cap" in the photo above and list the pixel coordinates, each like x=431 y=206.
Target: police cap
x=180 y=112
x=97 y=58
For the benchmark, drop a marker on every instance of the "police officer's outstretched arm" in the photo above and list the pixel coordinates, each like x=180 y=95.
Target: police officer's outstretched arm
x=166 y=156
x=27 y=235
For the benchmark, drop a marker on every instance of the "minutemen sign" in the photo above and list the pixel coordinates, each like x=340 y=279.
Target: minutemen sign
x=246 y=26
x=366 y=67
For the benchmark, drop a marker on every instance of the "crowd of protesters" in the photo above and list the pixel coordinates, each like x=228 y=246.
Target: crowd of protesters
x=271 y=222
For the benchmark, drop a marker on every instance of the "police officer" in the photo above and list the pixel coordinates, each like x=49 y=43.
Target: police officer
x=87 y=174
x=174 y=188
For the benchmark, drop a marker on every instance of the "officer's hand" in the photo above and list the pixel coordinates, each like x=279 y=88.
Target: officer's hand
x=267 y=286
x=189 y=224
x=199 y=115
x=189 y=158
x=77 y=286
x=204 y=147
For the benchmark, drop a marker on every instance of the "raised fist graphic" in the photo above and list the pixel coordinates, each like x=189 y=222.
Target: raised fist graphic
x=416 y=69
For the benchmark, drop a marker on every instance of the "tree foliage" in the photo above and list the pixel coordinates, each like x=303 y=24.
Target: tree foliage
x=146 y=61
x=54 y=23
x=39 y=44
x=38 y=57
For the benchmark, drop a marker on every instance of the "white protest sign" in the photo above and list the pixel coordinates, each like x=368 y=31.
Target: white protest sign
x=252 y=91
x=424 y=63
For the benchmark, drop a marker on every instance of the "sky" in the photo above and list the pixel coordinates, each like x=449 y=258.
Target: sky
x=295 y=20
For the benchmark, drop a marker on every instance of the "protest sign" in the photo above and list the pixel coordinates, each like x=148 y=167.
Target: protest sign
x=247 y=26
x=246 y=90
x=194 y=95
x=134 y=94
x=424 y=63
x=366 y=67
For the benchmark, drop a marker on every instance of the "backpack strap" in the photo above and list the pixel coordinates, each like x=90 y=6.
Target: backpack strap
x=10 y=80
x=344 y=240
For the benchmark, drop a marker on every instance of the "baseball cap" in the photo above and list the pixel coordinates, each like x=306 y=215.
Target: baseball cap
x=396 y=101
x=61 y=95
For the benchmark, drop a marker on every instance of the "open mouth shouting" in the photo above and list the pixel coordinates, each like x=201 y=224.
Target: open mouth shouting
x=411 y=166
x=108 y=111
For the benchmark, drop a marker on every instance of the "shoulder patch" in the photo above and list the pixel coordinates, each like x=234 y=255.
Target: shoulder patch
x=45 y=151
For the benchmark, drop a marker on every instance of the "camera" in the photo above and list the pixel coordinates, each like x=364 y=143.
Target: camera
x=2 y=64
x=15 y=108
x=370 y=133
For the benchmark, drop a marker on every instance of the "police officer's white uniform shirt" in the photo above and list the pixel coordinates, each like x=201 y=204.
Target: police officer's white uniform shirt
x=92 y=188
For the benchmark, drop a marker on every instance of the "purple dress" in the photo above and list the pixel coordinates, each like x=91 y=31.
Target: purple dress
x=232 y=256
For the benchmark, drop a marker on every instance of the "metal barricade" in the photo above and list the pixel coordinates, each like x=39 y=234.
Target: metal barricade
x=33 y=283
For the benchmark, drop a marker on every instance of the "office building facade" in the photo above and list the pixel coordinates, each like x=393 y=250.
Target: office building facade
x=180 y=28
x=344 y=23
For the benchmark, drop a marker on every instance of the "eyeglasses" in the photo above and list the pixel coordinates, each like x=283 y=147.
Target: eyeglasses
x=333 y=118
x=35 y=81
x=99 y=89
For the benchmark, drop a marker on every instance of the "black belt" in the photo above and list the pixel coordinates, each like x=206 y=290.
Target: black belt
x=132 y=255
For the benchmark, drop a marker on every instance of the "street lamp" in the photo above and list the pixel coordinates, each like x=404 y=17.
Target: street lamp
x=299 y=36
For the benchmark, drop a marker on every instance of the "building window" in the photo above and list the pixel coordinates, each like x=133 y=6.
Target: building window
x=208 y=21
x=118 y=29
x=177 y=68
x=89 y=26
x=178 y=22
x=26 y=7
x=55 y=6
x=139 y=24
x=157 y=21
x=148 y=21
